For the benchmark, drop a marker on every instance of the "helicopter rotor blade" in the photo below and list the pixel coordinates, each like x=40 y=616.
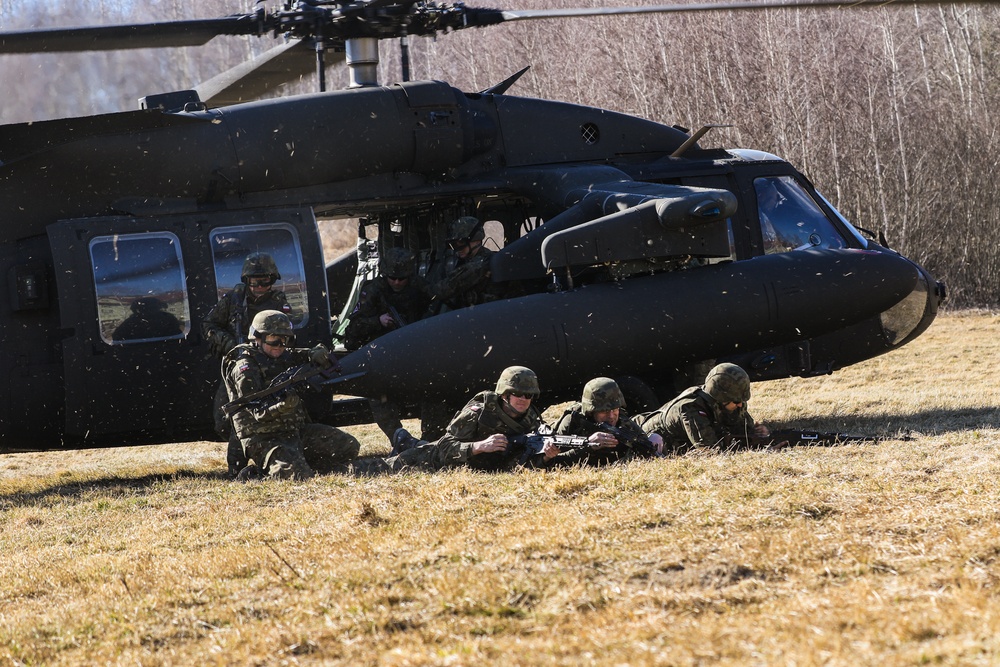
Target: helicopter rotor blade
x=489 y=17
x=132 y=36
x=256 y=78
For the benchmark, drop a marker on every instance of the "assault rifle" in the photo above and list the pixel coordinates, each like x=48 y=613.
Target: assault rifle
x=782 y=438
x=394 y=314
x=298 y=377
x=533 y=443
x=637 y=442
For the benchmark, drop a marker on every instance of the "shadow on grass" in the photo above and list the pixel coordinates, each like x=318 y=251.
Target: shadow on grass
x=926 y=422
x=114 y=486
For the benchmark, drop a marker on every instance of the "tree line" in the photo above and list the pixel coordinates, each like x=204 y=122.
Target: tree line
x=888 y=110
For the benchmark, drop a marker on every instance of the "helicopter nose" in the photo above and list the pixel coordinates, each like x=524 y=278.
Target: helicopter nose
x=910 y=317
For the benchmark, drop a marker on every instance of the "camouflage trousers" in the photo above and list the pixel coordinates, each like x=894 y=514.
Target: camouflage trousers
x=426 y=457
x=318 y=448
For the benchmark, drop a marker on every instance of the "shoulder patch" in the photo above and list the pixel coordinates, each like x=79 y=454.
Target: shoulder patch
x=243 y=367
x=475 y=408
x=286 y=309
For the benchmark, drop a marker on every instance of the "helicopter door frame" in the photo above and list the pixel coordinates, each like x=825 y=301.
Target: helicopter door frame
x=150 y=381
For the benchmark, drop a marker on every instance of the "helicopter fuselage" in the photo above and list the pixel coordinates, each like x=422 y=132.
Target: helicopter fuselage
x=620 y=252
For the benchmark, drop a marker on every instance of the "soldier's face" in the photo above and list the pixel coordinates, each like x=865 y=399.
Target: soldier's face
x=519 y=403
x=606 y=416
x=733 y=406
x=397 y=283
x=259 y=285
x=274 y=346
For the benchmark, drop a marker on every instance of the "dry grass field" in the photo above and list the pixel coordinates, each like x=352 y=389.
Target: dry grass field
x=872 y=554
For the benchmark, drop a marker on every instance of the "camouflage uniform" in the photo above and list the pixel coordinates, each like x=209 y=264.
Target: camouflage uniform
x=481 y=417
x=280 y=439
x=460 y=283
x=376 y=296
x=695 y=420
x=465 y=283
x=226 y=324
x=575 y=421
x=698 y=418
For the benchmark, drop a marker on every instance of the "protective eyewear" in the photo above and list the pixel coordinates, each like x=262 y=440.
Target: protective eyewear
x=397 y=279
x=280 y=341
x=458 y=245
x=260 y=282
x=521 y=394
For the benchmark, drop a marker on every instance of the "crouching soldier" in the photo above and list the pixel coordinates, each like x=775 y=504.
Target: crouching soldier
x=600 y=416
x=713 y=415
x=279 y=438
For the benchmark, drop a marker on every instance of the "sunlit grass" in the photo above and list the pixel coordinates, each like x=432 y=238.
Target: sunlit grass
x=865 y=554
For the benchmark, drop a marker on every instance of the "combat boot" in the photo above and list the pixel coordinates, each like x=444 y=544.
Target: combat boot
x=403 y=440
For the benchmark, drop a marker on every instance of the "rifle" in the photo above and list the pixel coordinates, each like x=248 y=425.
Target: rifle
x=533 y=443
x=637 y=442
x=292 y=378
x=782 y=438
x=400 y=322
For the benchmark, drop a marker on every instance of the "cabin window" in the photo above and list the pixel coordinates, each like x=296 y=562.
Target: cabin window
x=139 y=281
x=790 y=219
x=232 y=245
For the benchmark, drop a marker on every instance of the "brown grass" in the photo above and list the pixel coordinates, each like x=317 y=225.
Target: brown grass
x=885 y=554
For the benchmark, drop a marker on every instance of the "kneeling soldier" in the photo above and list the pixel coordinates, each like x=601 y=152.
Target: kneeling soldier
x=280 y=438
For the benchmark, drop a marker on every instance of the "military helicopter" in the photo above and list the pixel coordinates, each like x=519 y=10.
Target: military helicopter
x=624 y=247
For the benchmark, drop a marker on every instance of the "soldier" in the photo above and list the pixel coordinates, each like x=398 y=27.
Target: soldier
x=280 y=439
x=392 y=300
x=602 y=403
x=226 y=326
x=464 y=280
x=707 y=416
x=477 y=437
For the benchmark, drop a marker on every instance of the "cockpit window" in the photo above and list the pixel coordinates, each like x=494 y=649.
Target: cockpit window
x=790 y=219
x=139 y=280
x=232 y=245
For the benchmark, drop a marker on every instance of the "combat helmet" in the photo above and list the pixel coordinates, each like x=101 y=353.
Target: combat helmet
x=728 y=383
x=397 y=262
x=259 y=264
x=518 y=379
x=273 y=322
x=601 y=395
x=466 y=228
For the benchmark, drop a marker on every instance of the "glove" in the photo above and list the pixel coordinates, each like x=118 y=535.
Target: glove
x=285 y=406
x=320 y=356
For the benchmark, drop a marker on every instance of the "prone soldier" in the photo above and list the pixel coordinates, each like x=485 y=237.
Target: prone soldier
x=601 y=416
x=478 y=436
x=712 y=415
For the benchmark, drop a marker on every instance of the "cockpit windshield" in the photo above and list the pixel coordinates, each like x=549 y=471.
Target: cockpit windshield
x=790 y=219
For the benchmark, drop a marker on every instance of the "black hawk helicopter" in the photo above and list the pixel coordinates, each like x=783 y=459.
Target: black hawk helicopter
x=626 y=248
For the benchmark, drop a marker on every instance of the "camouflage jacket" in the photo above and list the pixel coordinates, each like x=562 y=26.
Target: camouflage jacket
x=482 y=417
x=575 y=422
x=467 y=283
x=376 y=296
x=228 y=323
x=246 y=369
x=695 y=420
